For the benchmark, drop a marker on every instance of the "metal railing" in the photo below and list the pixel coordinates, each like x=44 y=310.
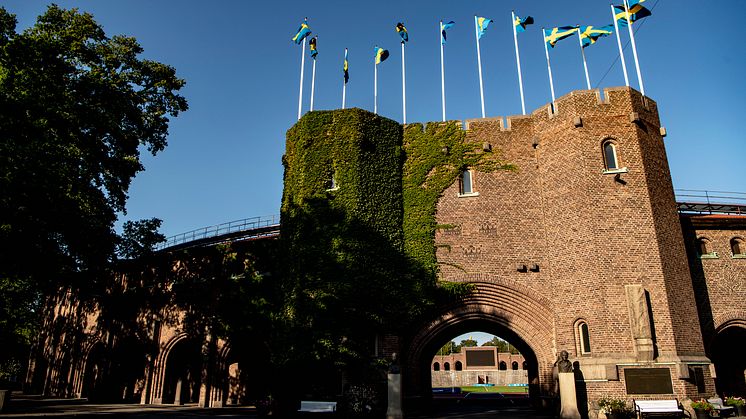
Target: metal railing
x=245 y=225
x=710 y=202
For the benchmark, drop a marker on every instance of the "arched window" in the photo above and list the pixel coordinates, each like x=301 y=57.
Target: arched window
x=459 y=366
x=738 y=247
x=525 y=365
x=515 y=365
x=466 y=183
x=704 y=248
x=503 y=366
x=436 y=366
x=611 y=160
x=446 y=366
x=584 y=337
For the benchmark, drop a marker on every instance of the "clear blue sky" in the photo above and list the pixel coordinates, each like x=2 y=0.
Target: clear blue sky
x=223 y=161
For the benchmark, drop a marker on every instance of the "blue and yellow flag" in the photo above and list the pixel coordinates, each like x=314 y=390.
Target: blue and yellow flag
x=312 y=45
x=554 y=35
x=636 y=12
x=590 y=34
x=482 y=23
x=345 y=68
x=402 y=31
x=381 y=55
x=520 y=24
x=443 y=27
x=303 y=32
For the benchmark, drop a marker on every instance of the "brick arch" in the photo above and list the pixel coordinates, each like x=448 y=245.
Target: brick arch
x=80 y=373
x=512 y=312
x=729 y=319
x=160 y=363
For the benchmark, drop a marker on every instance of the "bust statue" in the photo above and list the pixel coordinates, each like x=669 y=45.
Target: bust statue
x=563 y=364
x=394 y=365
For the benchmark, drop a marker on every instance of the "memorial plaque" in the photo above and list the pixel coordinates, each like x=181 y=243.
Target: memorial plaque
x=648 y=380
x=480 y=358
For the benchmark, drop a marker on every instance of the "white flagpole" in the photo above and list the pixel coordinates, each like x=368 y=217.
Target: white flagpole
x=302 y=65
x=479 y=64
x=619 y=43
x=313 y=81
x=375 y=87
x=403 y=86
x=442 y=72
x=634 y=48
x=344 y=86
x=518 y=62
x=585 y=65
x=549 y=67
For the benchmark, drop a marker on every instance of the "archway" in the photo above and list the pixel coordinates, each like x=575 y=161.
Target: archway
x=182 y=377
x=510 y=312
x=94 y=374
x=727 y=354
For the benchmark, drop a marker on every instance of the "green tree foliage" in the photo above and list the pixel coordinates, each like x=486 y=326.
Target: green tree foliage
x=139 y=238
x=501 y=345
x=76 y=107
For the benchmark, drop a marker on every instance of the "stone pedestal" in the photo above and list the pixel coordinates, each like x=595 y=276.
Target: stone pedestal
x=568 y=399
x=394 y=397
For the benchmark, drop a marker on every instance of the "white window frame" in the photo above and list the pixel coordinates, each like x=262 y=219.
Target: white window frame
x=461 y=186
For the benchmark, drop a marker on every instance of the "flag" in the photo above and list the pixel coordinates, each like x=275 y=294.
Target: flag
x=303 y=32
x=402 y=31
x=345 y=68
x=552 y=36
x=482 y=23
x=589 y=34
x=443 y=27
x=312 y=46
x=636 y=12
x=520 y=24
x=381 y=55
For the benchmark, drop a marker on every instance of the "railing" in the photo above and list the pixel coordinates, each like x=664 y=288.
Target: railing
x=710 y=202
x=245 y=225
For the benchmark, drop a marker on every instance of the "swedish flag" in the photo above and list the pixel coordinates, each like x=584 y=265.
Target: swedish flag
x=554 y=35
x=520 y=24
x=381 y=55
x=482 y=23
x=345 y=68
x=590 y=34
x=636 y=12
x=303 y=32
x=402 y=31
x=312 y=46
x=443 y=27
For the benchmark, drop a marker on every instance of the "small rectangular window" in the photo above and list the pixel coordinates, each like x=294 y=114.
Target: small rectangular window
x=466 y=185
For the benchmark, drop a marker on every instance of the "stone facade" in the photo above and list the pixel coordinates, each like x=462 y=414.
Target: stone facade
x=568 y=252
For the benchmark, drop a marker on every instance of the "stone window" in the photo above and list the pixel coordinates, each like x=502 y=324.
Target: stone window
x=436 y=366
x=611 y=158
x=503 y=366
x=583 y=335
x=446 y=366
x=466 y=184
x=515 y=365
x=458 y=366
x=738 y=247
x=704 y=249
x=525 y=365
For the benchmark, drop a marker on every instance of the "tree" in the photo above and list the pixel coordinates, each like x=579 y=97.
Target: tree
x=468 y=343
x=76 y=107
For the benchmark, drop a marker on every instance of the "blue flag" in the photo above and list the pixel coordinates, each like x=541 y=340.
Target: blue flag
x=636 y=12
x=520 y=24
x=482 y=23
x=443 y=27
x=303 y=32
x=381 y=55
x=312 y=45
x=345 y=68
x=402 y=31
x=554 y=35
x=590 y=34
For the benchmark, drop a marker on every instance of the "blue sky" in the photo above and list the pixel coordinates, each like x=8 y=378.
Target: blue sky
x=223 y=161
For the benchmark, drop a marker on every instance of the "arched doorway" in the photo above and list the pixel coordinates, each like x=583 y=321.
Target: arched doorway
x=182 y=377
x=727 y=354
x=94 y=374
x=514 y=314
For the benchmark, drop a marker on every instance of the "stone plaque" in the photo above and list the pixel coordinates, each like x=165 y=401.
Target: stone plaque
x=648 y=380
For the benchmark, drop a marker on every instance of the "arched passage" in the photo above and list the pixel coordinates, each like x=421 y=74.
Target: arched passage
x=94 y=374
x=726 y=351
x=182 y=378
x=510 y=312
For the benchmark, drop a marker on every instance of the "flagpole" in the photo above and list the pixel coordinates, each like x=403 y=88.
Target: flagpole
x=549 y=68
x=619 y=43
x=585 y=65
x=634 y=48
x=302 y=65
x=479 y=63
x=403 y=86
x=375 y=87
x=518 y=62
x=442 y=73
x=344 y=85
x=313 y=81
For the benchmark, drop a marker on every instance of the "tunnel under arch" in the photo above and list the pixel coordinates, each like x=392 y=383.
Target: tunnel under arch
x=511 y=311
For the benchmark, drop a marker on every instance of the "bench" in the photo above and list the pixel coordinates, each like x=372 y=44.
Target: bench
x=657 y=408
x=723 y=410
x=317 y=407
